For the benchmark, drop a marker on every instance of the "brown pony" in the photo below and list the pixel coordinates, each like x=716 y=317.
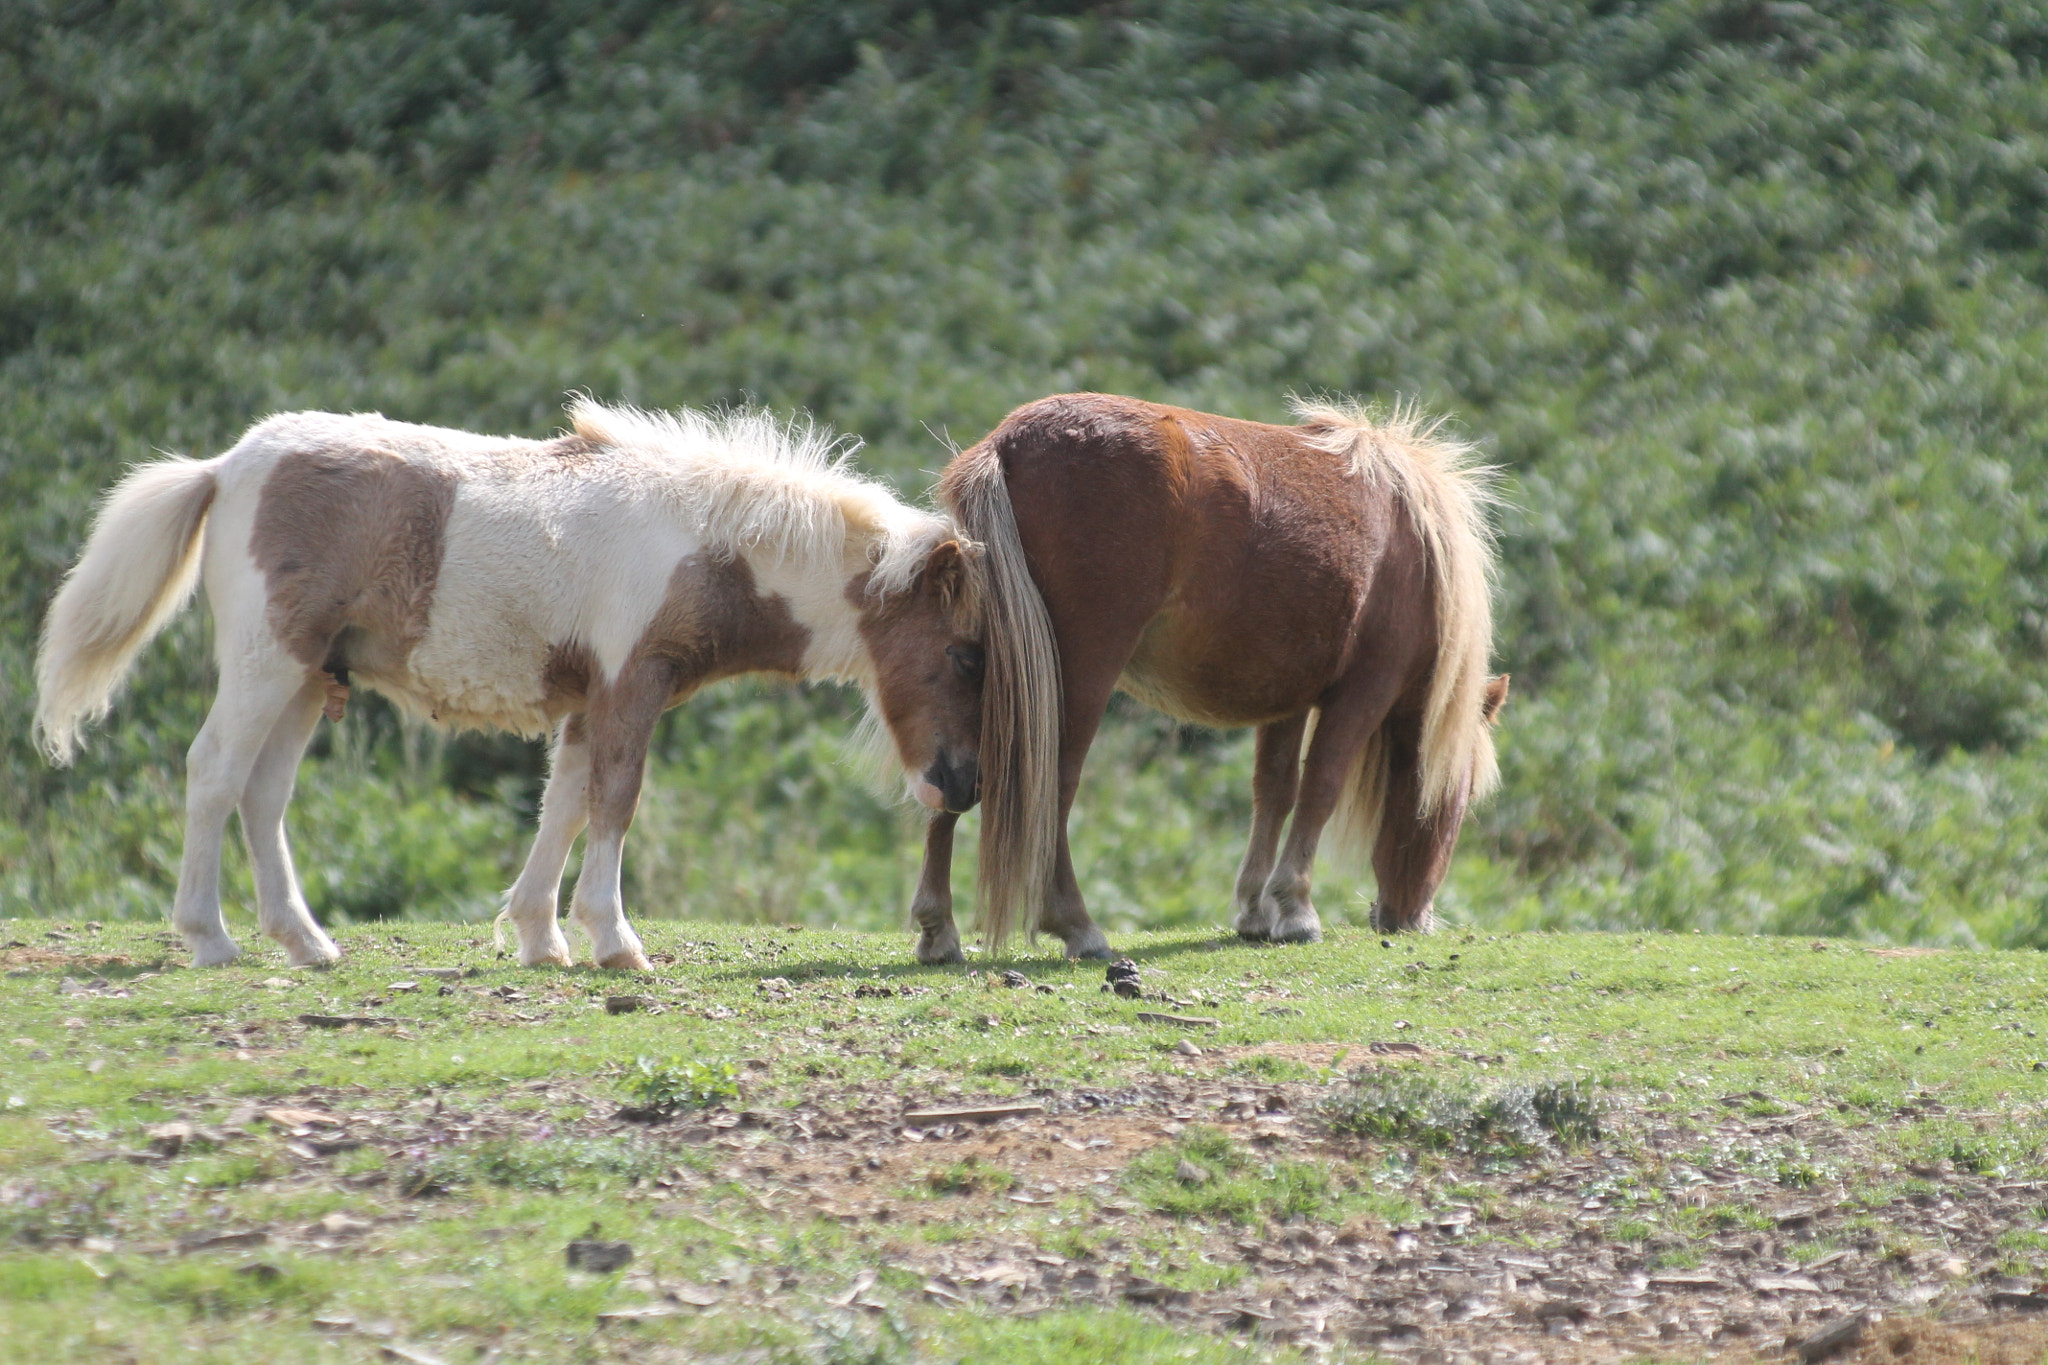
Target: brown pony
x=1228 y=573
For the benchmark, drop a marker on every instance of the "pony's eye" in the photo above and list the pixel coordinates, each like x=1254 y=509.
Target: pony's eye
x=968 y=661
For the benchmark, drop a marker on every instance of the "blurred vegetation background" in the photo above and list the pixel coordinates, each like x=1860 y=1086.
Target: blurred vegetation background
x=1747 y=298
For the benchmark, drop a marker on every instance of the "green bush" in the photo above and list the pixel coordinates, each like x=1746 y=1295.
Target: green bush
x=1414 y=1110
x=680 y=1084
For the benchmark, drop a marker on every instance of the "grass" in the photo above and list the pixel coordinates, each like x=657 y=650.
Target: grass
x=461 y=1242
x=1207 y=1174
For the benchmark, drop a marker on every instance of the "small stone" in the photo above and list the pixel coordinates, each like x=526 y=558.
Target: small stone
x=1187 y=1049
x=598 y=1258
x=168 y=1139
x=1188 y=1173
x=1838 y=1335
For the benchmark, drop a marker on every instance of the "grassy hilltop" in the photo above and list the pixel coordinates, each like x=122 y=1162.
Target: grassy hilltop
x=1585 y=1147
x=1747 y=299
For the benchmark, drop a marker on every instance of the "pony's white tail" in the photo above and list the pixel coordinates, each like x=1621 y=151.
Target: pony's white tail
x=139 y=568
x=1446 y=497
x=1020 y=707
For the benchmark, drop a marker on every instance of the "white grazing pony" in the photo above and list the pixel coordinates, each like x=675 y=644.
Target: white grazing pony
x=581 y=585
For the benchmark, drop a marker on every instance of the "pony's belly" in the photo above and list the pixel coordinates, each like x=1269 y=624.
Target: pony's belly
x=1224 y=695
x=452 y=683
x=447 y=703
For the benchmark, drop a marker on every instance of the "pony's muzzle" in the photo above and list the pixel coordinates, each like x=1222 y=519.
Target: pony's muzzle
x=950 y=785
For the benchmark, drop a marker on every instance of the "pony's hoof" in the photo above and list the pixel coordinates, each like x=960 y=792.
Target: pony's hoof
x=554 y=954
x=312 y=952
x=1092 y=947
x=1254 y=924
x=628 y=960
x=213 y=952
x=940 y=950
x=1422 y=922
x=1302 y=931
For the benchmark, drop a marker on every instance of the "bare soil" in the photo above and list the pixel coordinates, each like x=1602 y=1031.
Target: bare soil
x=1520 y=1261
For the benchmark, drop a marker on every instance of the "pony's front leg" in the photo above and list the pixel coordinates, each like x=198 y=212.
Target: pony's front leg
x=620 y=725
x=564 y=811
x=938 y=939
x=280 y=905
x=258 y=681
x=1276 y=771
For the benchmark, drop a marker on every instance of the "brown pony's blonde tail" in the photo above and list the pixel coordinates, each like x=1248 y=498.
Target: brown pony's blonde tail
x=1020 y=707
x=139 y=568
x=1446 y=496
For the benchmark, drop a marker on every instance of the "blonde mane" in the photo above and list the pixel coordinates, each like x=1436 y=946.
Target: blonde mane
x=1447 y=496
x=759 y=484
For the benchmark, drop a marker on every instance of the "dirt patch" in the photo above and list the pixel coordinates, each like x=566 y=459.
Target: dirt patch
x=1537 y=1259
x=1523 y=1261
x=30 y=959
x=1921 y=1341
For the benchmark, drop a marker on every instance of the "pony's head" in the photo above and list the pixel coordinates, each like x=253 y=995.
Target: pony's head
x=923 y=637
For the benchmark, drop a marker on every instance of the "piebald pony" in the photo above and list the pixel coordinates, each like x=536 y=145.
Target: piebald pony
x=579 y=585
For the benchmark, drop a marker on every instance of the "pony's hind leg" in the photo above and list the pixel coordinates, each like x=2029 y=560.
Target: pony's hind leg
x=258 y=682
x=1276 y=772
x=280 y=903
x=564 y=811
x=1345 y=721
x=1412 y=851
x=621 y=723
x=938 y=938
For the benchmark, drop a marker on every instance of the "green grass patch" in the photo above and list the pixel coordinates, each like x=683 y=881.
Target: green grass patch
x=473 y=1253
x=552 y=1166
x=1206 y=1173
x=968 y=1176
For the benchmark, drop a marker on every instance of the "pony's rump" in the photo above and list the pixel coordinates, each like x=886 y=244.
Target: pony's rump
x=1446 y=494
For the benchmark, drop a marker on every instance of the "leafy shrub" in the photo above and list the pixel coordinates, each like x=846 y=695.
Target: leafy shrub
x=1410 y=1108
x=680 y=1084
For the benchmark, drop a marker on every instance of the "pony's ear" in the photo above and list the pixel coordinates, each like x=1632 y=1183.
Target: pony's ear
x=945 y=570
x=1496 y=697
